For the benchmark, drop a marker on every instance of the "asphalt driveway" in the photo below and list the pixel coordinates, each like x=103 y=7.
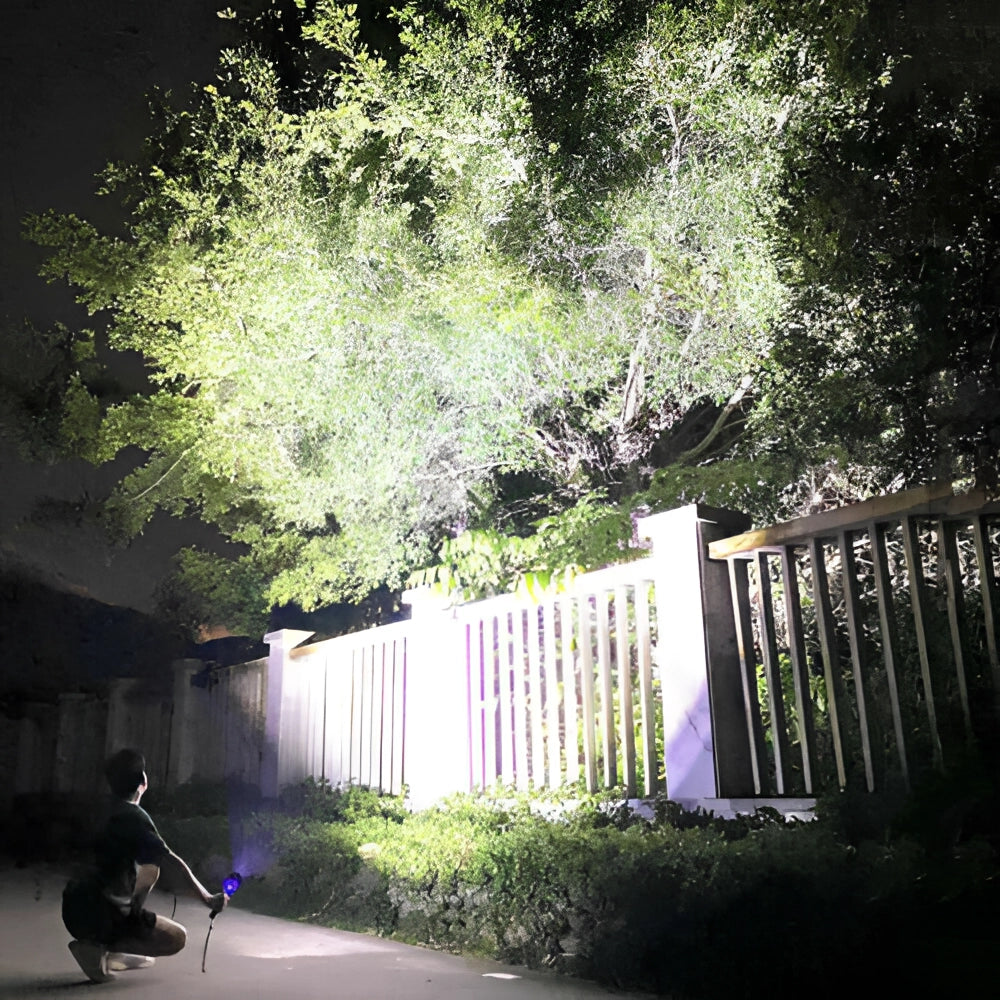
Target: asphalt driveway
x=250 y=957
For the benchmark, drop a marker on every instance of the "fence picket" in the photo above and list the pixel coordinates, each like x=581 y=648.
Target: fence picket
x=587 y=692
x=521 y=723
x=536 y=731
x=772 y=675
x=831 y=661
x=491 y=698
x=553 y=686
x=988 y=589
x=739 y=585
x=647 y=703
x=862 y=700
x=918 y=601
x=570 y=674
x=800 y=668
x=606 y=718
x=890 y=640
x=947 y=533
x=625 y=693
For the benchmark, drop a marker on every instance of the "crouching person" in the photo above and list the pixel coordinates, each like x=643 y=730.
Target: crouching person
x=104 y=909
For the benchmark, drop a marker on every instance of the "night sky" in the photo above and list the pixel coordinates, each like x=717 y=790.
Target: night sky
x=74 y=75
x=74 y=79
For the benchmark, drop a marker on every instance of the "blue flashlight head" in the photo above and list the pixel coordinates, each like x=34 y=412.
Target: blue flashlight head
x=231 y=883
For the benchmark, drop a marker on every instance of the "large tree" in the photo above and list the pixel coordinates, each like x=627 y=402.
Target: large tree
x=526 y=251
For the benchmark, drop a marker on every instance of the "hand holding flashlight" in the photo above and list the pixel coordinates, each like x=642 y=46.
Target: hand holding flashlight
x=230 y=884
x=218 y=902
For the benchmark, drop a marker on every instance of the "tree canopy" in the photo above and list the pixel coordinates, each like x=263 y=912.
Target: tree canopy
x=528 y=257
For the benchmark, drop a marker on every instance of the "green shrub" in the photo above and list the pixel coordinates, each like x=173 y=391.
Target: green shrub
x=313 y=862
x=317 y=799
x=682 y=903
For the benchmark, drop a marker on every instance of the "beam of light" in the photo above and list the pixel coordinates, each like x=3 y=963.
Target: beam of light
x=303 y=945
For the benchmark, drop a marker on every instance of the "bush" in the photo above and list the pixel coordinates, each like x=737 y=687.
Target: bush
x=681 y=903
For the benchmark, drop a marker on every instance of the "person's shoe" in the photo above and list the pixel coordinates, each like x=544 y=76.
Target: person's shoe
x=120 y=961
x=93 y=959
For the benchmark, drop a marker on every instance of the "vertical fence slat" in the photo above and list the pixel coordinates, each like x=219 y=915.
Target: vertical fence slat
x=361 y=698
x=772 y=674
x=739 y=584
x=519 y=674
x=331 y=736
x=316 y=698
x=507 y=773
x=537 y=748
x=948 y=547
x=399 y=653
x=491 y=700
x=800 y=668
x=385 y=720
x=357 y=692
x=378 y=720
x=347 y=720
x=918 y=600
x=988 y=589
x=890 y=640
x=852 y=601
x=570 y=673
x=826 y=627
x=506 y=695
x=477 y=705
x=647 y=702
x=324 y=775
x=587 y=693
x=623 y=661
x=552 y=699
x=606 y=687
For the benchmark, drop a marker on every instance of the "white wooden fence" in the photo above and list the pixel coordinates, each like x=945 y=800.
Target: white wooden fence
x=513 y=693
x=722 y=668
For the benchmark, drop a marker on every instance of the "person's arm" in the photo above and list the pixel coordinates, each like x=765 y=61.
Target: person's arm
x=145 y=879
x=182 y=879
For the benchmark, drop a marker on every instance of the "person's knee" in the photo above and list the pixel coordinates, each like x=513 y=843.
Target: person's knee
x=176 y=940
x=168 y=938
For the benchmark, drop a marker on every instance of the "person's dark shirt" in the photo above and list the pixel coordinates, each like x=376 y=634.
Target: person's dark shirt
x=129 y=838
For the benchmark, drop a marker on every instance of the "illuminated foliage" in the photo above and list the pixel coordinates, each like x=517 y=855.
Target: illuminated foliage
x=518 y=257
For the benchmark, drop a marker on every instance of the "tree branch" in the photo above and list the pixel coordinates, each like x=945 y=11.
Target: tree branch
x=153 y=486
x=727 y=411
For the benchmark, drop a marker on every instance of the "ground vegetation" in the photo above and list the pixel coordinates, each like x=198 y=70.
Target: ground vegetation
x=681 y=904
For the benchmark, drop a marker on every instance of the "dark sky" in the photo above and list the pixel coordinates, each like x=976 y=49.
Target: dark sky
x=74 y=75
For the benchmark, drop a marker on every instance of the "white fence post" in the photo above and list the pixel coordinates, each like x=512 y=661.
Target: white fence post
x=276 y=769
x=703 y=729
x=436 y=759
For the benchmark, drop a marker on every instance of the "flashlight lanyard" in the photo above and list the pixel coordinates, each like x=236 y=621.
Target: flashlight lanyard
x=204 y=954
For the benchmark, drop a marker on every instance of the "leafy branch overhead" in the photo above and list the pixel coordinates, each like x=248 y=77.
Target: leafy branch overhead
x=514 y=255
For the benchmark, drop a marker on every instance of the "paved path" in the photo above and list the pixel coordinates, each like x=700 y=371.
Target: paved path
x=250 y=957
